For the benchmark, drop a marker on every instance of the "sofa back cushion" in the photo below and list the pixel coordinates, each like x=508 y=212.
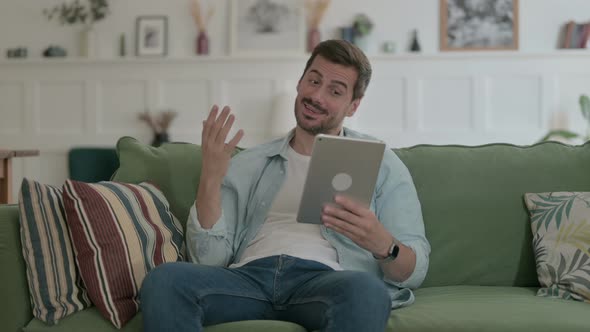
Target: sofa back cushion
x=175 y=168
x=472 y=203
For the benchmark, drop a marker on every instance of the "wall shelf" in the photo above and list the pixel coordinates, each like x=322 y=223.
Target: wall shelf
x=516 y=55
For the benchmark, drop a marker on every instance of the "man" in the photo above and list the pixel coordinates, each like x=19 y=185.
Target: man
x=256 y=261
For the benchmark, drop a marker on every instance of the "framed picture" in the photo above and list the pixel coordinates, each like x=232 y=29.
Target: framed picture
x=475 y=25
x=259 y=27
x=151 y=36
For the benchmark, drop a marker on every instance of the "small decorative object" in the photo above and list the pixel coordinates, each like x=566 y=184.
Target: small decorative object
x=347 y=33
x=362 y=27
x=122 y=45
x=315 y=12
x=389 y=47
x=151 y=36
x=575 y=35
x=159 y=124
x=202 y=41
x=563 y=134
x=415 y=44
x=478 y=25
x=54 y=51
x=267 y=27
x=85 y=13
x=17 y=53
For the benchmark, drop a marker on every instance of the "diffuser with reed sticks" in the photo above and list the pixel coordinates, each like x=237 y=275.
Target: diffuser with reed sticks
x=201 y=21
x=315 y=13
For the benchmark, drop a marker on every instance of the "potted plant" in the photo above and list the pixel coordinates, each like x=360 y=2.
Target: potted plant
x=84 y=13
x=362 y=27
x=567 y=135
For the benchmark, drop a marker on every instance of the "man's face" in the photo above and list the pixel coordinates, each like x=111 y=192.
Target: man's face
x=324 y=97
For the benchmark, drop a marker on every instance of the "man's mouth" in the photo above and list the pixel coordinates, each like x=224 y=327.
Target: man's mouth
x=312 y=109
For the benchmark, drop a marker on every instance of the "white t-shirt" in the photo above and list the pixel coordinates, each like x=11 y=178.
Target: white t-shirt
x=281 y=233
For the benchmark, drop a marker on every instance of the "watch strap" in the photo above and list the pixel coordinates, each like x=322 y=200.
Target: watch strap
x=392 y=253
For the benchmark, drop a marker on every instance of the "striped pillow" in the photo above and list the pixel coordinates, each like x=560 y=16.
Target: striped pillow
x=55 y=285
x=119 y=233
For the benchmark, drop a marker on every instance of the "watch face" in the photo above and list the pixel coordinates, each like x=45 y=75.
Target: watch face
x=394 y=251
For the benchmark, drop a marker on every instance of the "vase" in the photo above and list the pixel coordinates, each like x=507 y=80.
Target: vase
x=347 y=33
x=313 y=39
x=202 y=43
x=160 y=138
x=88 y=42
x=415 y=45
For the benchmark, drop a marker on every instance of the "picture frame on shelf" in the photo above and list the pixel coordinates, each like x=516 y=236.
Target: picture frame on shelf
x=479 y=25
x=151 y=36
x=267 y=27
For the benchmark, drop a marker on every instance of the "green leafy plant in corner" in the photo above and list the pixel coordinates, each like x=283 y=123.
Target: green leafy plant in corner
x=569 y=135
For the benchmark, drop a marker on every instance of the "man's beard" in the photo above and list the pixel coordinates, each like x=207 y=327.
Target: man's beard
x=323 y=127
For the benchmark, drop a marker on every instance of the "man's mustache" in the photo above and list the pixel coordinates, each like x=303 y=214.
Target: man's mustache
x=314 y=105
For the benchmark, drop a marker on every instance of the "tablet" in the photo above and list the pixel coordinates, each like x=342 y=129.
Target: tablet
x=339 y=165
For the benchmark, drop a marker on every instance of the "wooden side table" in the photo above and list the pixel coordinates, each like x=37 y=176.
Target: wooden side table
x=6 y=171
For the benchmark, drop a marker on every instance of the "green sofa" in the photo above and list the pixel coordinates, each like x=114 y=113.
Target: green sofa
x=482 y=274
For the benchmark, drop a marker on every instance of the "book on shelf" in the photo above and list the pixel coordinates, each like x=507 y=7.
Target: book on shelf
x=576 y=35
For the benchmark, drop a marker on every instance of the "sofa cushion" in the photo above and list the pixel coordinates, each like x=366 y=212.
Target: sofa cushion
x=119 y=232
x=488 y=309
x=54 y=282
x=174 y=167
x=560 y=222
x=90 y=320
x=15 y=307
x=474 y=215
x=92 y=164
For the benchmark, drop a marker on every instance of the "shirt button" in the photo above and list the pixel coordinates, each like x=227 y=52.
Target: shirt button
x=282 y=172
x=263 y=203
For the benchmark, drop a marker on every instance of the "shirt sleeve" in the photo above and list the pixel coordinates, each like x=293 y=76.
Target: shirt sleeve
x=398 y=208
x=212 y=246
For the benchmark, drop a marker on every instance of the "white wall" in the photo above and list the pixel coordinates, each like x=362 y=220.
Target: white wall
x=21 y=23
x=465 y=98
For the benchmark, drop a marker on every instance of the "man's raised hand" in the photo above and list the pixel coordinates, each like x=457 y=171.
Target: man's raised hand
x=216 y=152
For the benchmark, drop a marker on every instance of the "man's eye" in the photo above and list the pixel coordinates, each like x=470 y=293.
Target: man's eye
x=336 y=93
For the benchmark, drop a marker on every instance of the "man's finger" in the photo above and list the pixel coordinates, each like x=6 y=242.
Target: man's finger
x=212 y=115
x=219 y=122
x=340 y=213
x=209 y=122
x=234 y=141
x=222 y=135
x=340 y=226
x=351 y=205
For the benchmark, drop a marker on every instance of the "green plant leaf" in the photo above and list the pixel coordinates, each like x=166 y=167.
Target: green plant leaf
x=560 y=133
x=585 y=107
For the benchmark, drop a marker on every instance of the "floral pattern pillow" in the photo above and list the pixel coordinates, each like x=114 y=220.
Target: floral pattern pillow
x=560 y=222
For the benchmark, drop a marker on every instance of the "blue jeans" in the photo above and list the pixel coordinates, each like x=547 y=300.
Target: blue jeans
x=186 y=296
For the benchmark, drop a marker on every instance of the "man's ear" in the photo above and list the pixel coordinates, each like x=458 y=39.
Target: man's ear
x=353 y=107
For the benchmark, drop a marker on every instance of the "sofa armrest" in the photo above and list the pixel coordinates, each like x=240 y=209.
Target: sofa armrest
x=15 y=308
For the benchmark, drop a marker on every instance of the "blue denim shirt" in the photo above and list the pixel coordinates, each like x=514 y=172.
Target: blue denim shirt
x=253 y=180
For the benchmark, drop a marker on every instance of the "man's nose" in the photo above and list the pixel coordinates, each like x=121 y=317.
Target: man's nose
x=317 y=96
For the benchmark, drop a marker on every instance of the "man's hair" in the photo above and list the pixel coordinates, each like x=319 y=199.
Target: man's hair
x=344 y=53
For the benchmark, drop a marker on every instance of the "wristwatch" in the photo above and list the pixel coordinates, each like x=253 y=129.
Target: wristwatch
x=391 y=254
